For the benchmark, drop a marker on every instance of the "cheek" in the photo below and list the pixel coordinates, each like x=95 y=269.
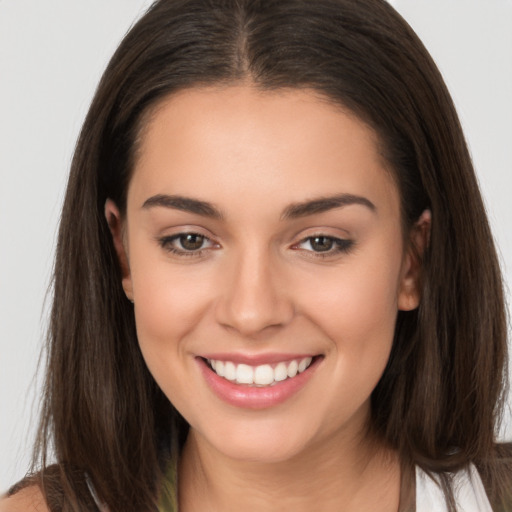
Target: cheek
x=170 y=302
x=361 y=299
x=357 y=314
x=356 y=307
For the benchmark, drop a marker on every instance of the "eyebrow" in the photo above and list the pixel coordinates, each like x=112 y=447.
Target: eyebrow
x=293 y=211
x=323 y=204
x=185 y=204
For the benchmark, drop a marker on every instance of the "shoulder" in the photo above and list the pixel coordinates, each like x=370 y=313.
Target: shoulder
x=28 y=499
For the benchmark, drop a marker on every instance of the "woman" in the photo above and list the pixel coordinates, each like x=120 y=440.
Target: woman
x=273 y=257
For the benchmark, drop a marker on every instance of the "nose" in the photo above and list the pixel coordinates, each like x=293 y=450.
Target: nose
x=253 y=296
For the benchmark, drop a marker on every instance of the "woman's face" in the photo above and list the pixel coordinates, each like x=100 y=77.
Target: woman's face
x=262 y=237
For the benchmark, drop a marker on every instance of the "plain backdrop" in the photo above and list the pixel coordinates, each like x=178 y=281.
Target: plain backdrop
x=52 y=54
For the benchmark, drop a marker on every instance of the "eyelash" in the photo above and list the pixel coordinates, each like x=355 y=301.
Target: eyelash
x=167 y=241
x=339 y=245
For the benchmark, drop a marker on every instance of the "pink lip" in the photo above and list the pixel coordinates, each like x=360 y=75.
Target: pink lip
x=250 y=397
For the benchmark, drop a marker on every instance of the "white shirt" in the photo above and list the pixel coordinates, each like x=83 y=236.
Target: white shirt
x=470 y=495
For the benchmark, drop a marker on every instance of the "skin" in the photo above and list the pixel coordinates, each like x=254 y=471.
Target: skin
x=29 y=499
x=259 y=286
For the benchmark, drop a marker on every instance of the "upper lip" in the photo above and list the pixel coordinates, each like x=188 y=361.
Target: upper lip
x=256 y=359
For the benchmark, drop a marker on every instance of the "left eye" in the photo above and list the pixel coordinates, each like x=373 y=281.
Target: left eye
x=184 y=243
x=324 y=244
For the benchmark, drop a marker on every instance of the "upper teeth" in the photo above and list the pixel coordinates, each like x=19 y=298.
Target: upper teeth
x=262 y=375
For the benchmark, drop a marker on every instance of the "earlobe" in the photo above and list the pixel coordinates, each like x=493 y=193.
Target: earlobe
x=410 y=286
x=115 y=225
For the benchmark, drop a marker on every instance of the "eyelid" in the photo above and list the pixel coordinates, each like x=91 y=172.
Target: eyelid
x=166 y=242
x=340 y=245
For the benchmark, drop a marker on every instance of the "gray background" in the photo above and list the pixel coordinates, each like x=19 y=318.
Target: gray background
x=52 y=54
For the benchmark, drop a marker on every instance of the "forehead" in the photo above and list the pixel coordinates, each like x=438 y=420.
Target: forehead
x=240 y=144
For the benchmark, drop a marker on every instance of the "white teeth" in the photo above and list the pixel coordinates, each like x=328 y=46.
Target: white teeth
x=229 y=370
x=262 y=375
x=280 y=372
x=293 y=368
x=304 y=364
x=219 y=368
x=244 y=374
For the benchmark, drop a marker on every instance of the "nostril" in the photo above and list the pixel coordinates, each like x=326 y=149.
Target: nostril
x=250 y=317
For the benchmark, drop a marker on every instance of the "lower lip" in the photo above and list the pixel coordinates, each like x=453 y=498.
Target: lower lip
x=249 y=397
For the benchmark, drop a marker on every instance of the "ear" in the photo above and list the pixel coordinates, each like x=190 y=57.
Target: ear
x=409 y=295
x=116 y=229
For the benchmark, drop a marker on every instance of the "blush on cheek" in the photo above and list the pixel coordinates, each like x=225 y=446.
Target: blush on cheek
x=358 y=306
x=359 y=316
x=168 y=300
x=163 y=322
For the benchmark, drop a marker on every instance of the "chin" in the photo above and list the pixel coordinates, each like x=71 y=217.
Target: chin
x=270 y=452
x=265 y=441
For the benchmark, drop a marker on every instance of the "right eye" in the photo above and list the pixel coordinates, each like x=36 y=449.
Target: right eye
x=186 y=244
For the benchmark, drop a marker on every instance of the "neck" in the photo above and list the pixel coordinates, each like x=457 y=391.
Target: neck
x=342 y=474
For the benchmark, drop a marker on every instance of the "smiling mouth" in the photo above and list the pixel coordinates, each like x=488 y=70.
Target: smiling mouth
x=264 y=375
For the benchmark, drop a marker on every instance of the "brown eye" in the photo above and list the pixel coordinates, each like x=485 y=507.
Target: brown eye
x=324 y=246
x=321 y=243
x=186 y=244
x=191 y=241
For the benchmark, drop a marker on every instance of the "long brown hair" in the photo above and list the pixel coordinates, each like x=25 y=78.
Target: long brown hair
x=439 y=400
